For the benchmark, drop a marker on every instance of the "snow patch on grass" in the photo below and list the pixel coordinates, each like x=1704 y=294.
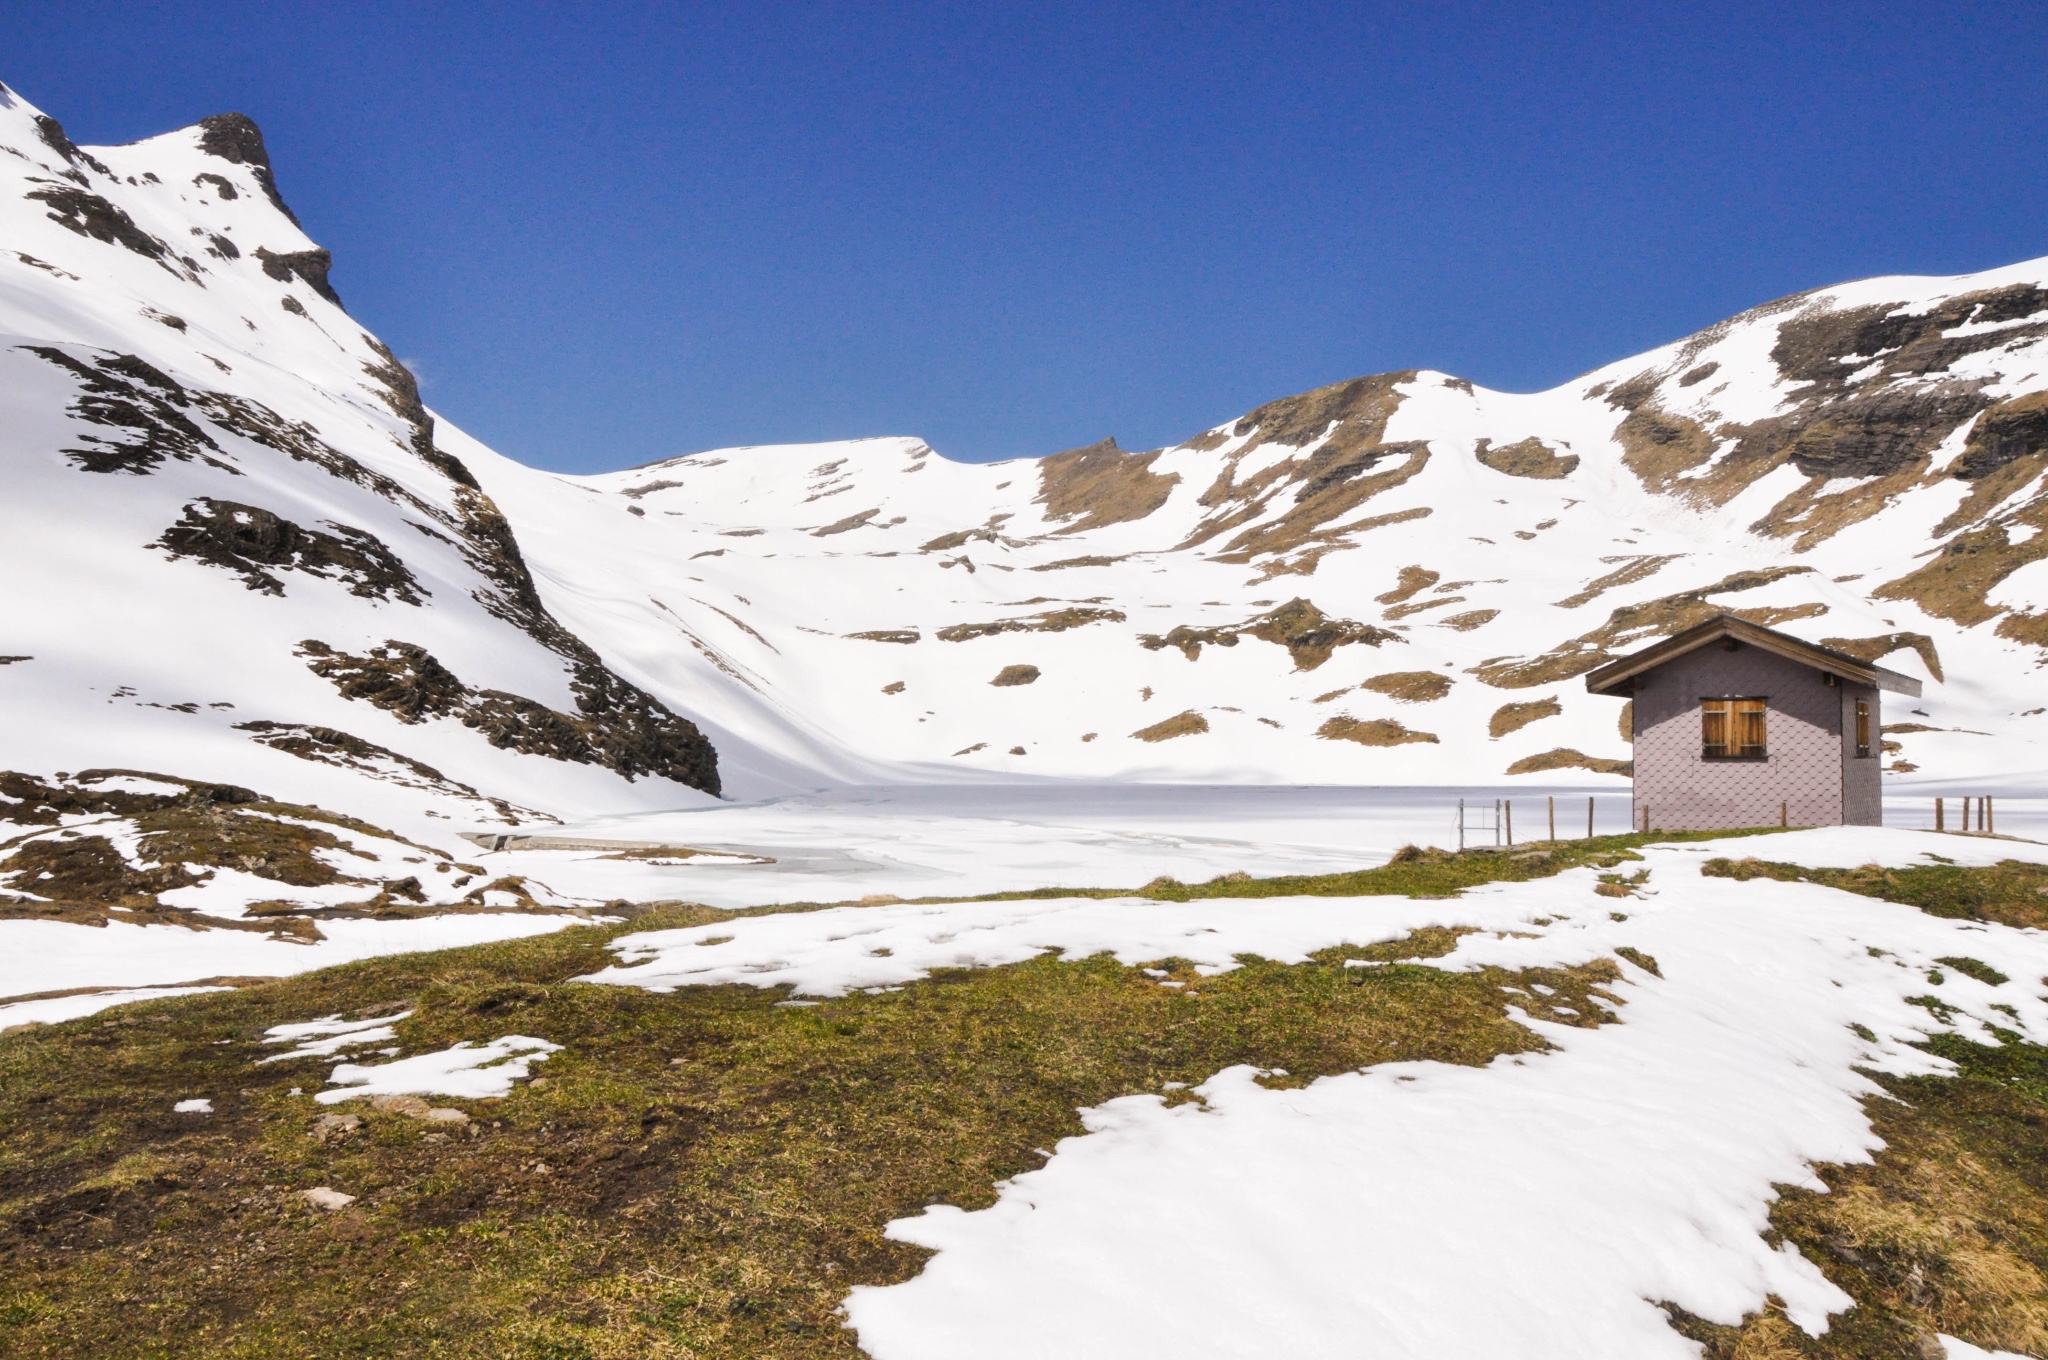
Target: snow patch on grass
x=467 y=1070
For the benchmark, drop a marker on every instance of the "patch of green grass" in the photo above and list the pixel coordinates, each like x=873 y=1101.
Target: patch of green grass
x=2011 y=893
x=701 y=1174
x=1975 y=968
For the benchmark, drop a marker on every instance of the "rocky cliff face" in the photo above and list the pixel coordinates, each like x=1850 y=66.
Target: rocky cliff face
x=228 y=515
x=241 y=549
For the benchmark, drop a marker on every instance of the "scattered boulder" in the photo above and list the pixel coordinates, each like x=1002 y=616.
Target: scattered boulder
x=326 y=1197
x=412 y=1107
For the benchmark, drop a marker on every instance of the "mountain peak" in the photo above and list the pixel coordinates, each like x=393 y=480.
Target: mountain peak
x=235 y=138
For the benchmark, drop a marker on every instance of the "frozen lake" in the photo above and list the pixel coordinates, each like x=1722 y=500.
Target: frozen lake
x=924 y=841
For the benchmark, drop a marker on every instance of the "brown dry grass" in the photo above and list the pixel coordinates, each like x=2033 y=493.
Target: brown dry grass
x=1349 y=419
x=2011 y=893
x=1371 y=732
x=1466 y=622
x=1814 y=514
x=1339 y=491
x=1413 y=607
x=1878 y=648
x=1514 y=717
x=1993 y=489
x=1527 y=458
x=1186 y=724
x=1305 y=631
x=1633 y=570
x=1051 y=621
x=1658 y=446
x=1410 y=581
x=1309 y=635
x=1101 y=485
x=185 y=833
x=1565 y=758
x=851 y=522
x=1956 y=584
x=1410 y=687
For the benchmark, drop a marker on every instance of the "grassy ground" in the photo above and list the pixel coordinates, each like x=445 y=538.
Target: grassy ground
x=2011 y=893
x=1945 y=1232
x=705 y=1173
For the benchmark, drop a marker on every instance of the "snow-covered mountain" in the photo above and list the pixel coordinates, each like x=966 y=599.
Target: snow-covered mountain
x=1396 y=579
x=240 y=549
x=233 y=545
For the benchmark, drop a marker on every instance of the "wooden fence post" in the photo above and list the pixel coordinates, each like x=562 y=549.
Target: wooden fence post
x=1938 y=817
x=1553 y=816
x=1990 y=822
x=1589 y=816
x=1782 y=822
x=1509 y=808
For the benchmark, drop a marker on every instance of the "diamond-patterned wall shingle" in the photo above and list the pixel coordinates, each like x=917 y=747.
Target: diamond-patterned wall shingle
x=1811 y=767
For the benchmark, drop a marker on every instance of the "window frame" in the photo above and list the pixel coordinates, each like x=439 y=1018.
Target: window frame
x=1733 y=712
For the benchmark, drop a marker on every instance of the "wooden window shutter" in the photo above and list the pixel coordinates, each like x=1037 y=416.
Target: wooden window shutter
x=1749 y=728
x=1714 y=727
x=1732 y=728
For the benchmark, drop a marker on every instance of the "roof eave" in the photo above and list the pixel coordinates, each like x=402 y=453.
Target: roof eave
x=1613 y=678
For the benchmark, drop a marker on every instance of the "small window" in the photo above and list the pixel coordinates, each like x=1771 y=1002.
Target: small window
x=1863 y=727
x=1732 y=729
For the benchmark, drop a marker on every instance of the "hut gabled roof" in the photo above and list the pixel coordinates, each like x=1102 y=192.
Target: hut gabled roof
x=1613 y=678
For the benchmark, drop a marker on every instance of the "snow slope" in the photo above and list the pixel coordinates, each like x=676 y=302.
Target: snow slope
x=855 y=610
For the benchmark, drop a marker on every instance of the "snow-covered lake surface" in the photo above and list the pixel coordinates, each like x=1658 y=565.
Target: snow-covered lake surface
x=923 y=841
x=926 y=841
x=1542 y=1205
x=846 y=845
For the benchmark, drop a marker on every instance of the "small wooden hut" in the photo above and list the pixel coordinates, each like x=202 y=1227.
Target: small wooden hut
x=1740 y=725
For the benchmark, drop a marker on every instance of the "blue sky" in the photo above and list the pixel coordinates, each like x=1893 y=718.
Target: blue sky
x=609 y=233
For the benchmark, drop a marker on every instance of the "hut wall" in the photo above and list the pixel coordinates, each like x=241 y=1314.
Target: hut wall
x=1862 y=798
x=1806 y=767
